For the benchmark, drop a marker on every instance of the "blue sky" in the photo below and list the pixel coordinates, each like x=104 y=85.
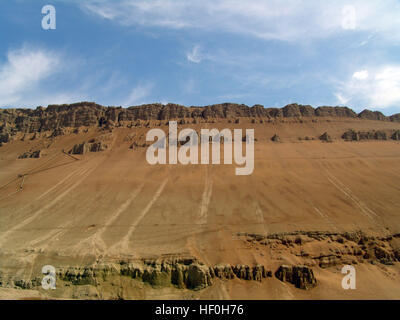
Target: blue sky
x=200 y=52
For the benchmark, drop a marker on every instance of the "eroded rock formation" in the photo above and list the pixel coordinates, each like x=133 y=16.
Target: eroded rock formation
x=85 y=114
x=276 y=138
x=372 y=115
x=325 y=137
x=31 y=154
x=352 y=135
x=340 y=249
x=396 y=135
x=301 y=276
x=314 y=250
x=94 y=145
x=182 y=273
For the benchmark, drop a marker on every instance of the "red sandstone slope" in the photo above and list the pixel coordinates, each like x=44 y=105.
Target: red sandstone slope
x=308 y=202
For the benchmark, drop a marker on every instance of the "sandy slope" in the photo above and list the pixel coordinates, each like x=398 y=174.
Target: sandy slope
x=113 y=204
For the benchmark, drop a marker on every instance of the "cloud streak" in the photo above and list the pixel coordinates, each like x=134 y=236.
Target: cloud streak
x=138 y=94
x=289 y=20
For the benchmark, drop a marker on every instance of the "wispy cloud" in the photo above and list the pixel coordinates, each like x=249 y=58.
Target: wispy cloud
x=23 y=72
x=23 y=78
x=35 y=76
x=341 y=99
x=288 y=20
x=138 y=94
x=375 y=87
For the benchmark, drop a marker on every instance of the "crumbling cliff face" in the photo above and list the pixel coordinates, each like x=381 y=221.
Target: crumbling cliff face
x=301 y=276
x=341 y=112
x=339 y=249
x=395 y=117
x=93 y=145
x=372 y=115
x=30 y=154
x=352 y=135
x=188 y=274
x=87 y=114
x=313 y=250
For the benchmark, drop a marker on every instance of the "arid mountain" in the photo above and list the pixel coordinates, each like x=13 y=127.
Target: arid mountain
x=77 y=193
x=91 y=114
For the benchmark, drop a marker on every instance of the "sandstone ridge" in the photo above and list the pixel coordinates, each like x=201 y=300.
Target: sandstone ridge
x=87 y=114
x=188 y=274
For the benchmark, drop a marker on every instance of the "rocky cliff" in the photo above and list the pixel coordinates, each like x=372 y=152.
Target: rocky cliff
x=182 y=274
x=86 y=114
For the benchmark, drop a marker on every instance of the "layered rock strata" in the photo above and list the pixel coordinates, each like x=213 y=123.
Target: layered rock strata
x=88 y=114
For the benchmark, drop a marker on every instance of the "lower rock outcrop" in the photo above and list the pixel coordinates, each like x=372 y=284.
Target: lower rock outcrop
x=276 y=138
x=301 y=276
x=182 y=273
x=5 y=137
x=351 y=135
x=93 y=145
x=325 y=137
x=194 y=276
x=81 y=148
x=31 y=154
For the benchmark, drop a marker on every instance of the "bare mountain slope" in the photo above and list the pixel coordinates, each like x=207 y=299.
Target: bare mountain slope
x=114 y=226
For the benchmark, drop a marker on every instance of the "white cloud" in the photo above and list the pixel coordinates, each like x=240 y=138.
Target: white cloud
x=23 y=78
x=23 y=71
x=387 y=87
x=288 y=20
x=361 y=75
x=32 y=76
x=138 y=94
x=377 y=88
x=194 y=55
